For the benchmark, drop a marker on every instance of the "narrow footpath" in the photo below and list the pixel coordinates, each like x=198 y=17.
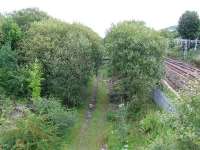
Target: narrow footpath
x=93 y=129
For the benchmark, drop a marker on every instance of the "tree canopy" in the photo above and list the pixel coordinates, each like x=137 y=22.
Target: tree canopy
x=189 y=25
x=25 y=17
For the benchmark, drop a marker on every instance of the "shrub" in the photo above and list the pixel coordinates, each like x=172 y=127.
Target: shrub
x=54 y=112
x=7 y=57
x=96 y=45
x=11 y=32
x=65 y=52
x=196 y=60
x=29 y=133
x=152 y=125
x=181 y=130
x=136 y=54
x=12 y=78
x=119 y=134
x=41 y=129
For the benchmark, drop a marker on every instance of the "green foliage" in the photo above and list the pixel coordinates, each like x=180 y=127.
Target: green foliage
x=188 y=119
x=118 y=138
x=65 y=52
x=169 y=37
x=192 y=57
x=35 y=80
x=111 y=116
x=7 y=57
x=11 y=32
x=152 y=124
x=96 y=45
x=175 y=52
x=169 y=34
x=189 y=24
x=25 y=17
x=180 y=129
x=5 y=107
x=136 y=54
x=1 y=32
x=196 y=60
x=43 y=128
x=12 y=79
x=30 y=133
x=121 y=124
x=56 y=113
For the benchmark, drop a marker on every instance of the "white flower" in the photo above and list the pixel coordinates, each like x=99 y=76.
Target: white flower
x=126 y=146
x=112 y=132
x=121 y=105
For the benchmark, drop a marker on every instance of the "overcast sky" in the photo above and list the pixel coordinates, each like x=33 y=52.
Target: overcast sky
x=99 y=14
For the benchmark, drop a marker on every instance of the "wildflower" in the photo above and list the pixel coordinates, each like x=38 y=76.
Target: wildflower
x=126 y=146
x=121 y=105
x=112 y=132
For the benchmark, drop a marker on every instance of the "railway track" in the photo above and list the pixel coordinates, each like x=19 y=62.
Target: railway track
x=178 y=73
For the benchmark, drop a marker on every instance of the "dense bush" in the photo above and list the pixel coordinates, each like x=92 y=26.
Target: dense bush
x=14 y=75
x=66 y=53
x=11 y=32
x=43 y=128
x=16 y=80
x=96 y=45
x=12 y=78
x=136 y=54
x=29 y=133
x=56 y=113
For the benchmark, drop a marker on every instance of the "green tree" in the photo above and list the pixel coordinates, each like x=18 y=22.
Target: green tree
x=136 y=54
x=25 y=17
x=189 y=24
